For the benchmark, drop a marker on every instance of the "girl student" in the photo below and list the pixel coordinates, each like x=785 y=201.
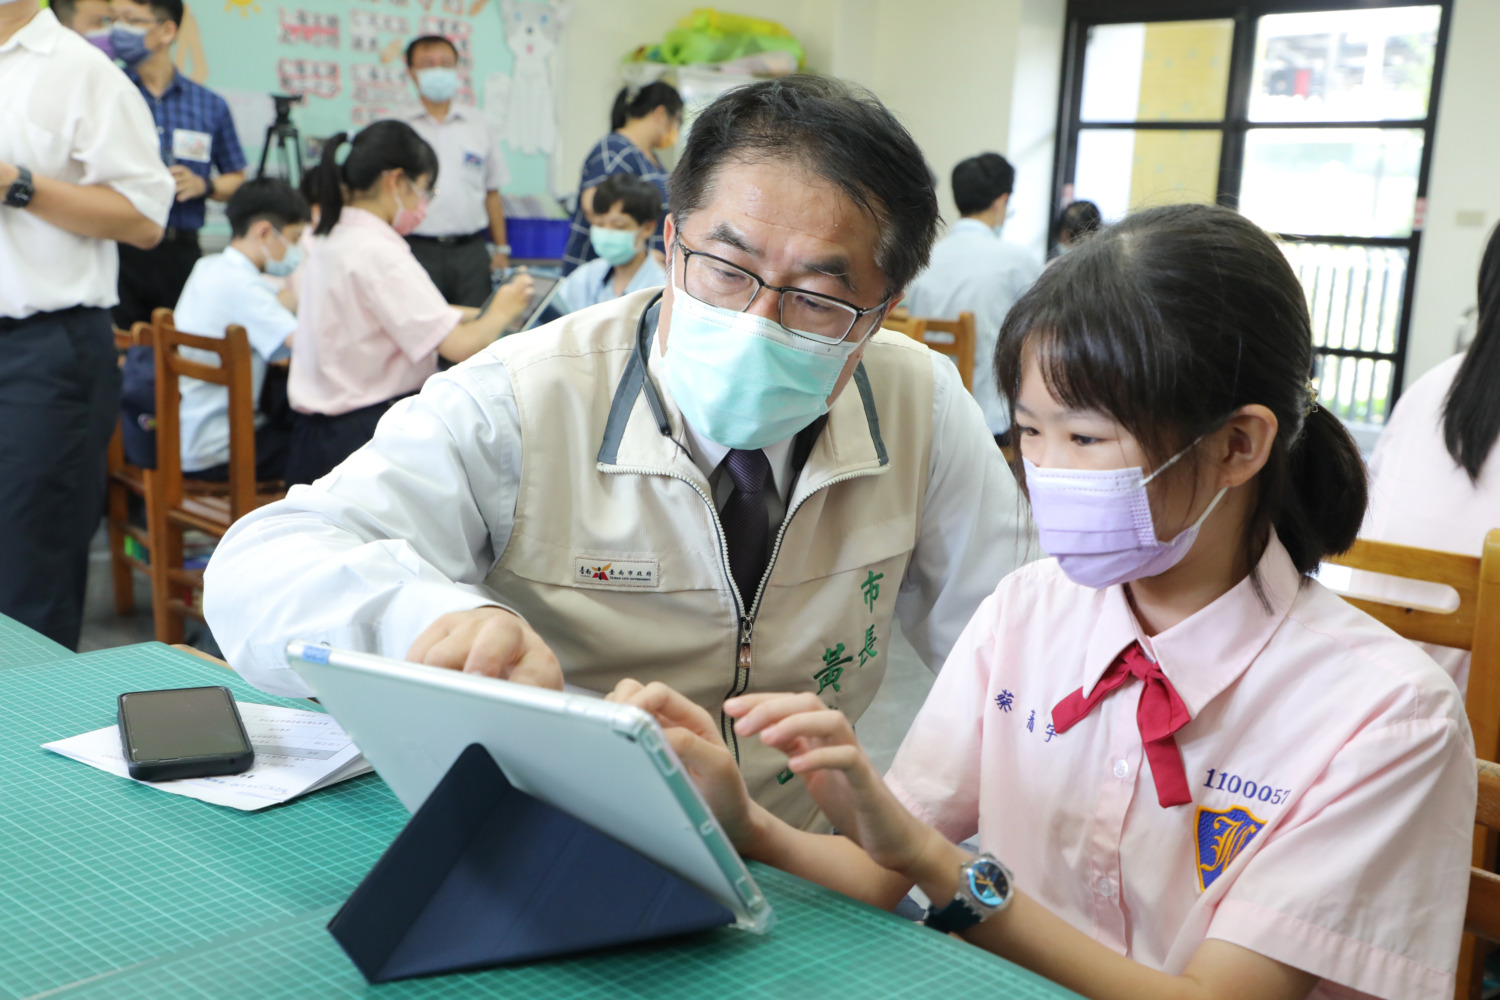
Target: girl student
x=1194 y=772
x=1435 y=474
x=370 y=322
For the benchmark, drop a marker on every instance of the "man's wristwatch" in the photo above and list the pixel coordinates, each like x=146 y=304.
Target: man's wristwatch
x=19 y=195
x=984 y=889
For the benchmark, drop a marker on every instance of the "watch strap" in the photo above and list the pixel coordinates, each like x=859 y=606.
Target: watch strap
x=21 y=190
x=957 y=916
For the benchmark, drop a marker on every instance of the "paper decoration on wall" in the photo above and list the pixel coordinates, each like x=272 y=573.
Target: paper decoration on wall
x=366 y=27
x=315 y=77
x=307 y=28
x=528 y=123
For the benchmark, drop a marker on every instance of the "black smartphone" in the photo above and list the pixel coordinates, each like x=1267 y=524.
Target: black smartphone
x=183 y=733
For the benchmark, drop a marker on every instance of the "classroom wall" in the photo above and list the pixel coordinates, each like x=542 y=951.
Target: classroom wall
x=1463 y=201
x=963 y=75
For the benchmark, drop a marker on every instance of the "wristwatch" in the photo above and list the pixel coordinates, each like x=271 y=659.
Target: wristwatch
x=984 y=889
x=19 y=195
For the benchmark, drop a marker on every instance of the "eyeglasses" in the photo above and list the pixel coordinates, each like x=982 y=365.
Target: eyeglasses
x=817 y=317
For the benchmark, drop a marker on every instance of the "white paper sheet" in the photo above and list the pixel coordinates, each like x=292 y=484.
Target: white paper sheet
x=296 y=752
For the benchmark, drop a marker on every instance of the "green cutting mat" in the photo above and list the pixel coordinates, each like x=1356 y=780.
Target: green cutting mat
x=114 y=890
x=20 y=646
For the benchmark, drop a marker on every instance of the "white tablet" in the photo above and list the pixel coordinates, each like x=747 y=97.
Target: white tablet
x=608 y=765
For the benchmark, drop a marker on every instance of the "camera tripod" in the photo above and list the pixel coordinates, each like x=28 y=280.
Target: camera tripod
x=282 y=135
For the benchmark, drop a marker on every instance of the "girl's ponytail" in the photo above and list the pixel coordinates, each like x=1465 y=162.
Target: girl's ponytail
x=1327 y=492
x=328 y=185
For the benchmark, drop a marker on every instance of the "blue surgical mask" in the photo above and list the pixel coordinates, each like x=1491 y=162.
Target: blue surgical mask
x=745 y=381
x=129 y=43
x=615 y=245
x=437 y=83
x=101 y=40
x=289 y=260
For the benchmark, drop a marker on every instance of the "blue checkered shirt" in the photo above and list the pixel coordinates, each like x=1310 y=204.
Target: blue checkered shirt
x=614 y=154
x=192 y=107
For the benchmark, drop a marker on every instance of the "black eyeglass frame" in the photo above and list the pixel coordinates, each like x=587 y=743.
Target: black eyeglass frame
x=781 y=290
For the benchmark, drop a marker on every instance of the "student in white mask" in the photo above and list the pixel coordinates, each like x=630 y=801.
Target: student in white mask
x=736 y=483
x=466 y=212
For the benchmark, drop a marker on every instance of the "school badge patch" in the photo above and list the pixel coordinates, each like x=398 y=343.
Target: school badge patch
x=1222 y=834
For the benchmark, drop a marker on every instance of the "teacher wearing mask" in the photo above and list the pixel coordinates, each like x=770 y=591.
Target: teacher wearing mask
x=466 y=210
x=371 y=324
x=198 y=144
x=642 y=122
x=737 y=483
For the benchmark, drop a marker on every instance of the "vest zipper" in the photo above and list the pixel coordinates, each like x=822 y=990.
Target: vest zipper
x=742 y=660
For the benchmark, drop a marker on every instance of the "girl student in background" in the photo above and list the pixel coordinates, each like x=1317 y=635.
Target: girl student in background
x=1194 y=771
x=1435 y=474
x=642 y=122
x=370 y=322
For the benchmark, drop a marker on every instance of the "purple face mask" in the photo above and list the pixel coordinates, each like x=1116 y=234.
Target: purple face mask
x=102 y=41
x=1097 y=524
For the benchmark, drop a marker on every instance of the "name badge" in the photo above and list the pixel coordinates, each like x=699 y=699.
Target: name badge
x=617 y=574
x=474 y=160
x=189 y=145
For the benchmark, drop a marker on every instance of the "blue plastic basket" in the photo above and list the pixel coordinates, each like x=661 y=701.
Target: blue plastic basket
x=537 y=239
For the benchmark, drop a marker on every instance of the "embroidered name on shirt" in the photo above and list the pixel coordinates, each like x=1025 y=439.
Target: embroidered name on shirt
x=1222 y=834
x=617 y=574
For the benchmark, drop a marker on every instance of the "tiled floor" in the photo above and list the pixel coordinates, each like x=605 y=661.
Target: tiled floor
x=881 y=729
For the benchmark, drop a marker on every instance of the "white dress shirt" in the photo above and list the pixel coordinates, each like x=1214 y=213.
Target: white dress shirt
x=470 y=165
x=66 y=112
x=385 y=566
x=225 y=288
x=974 y=270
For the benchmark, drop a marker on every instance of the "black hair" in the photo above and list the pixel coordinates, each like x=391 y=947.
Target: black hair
x=1079 y=219
x=269 y=198
x=1471 y=413
x=380 y=146
x=1169 y=322
x=637 y=196
x=64 y=10
x=843 y=134
x=642 y=102
x=165 y=10
x=411 y=49
x=979 y=180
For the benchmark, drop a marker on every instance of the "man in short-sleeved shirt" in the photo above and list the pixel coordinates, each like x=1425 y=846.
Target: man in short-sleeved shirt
x=466 y=209
x=197 y=138
x=78 y=171
x=974 y=270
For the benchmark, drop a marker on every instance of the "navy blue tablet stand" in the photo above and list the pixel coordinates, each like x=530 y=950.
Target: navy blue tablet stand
x=483 y=875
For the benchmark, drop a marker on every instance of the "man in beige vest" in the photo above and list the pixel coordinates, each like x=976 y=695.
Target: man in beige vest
x=732 y=484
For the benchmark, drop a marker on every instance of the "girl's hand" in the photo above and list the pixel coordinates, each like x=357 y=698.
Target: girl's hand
x=515 y=294
x=822 y=748
x=695 y=737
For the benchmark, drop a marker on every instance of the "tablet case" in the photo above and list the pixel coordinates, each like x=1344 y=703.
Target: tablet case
x=484 y=874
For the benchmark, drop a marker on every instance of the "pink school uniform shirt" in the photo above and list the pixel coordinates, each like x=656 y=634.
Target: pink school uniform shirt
x=369 y=321
x=1330 y=763
x=1420 y=496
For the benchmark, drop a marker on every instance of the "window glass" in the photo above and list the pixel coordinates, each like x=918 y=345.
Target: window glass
x=1332 y=182
x=1344 y=65
x=1162 y=71
x=1124 y=169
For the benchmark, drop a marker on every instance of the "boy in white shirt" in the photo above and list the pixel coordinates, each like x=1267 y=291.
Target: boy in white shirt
x=626 y=210
x=267 y=217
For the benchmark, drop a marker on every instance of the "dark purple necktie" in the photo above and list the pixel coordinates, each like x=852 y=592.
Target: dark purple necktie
x=747 y=523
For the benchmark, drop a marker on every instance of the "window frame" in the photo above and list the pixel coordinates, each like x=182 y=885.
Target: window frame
x=1236 y=124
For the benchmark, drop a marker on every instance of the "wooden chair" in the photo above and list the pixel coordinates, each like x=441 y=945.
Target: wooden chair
x=124 y=481
x=1482 y=917
x=172 y=509
x=913 y=328
x=1474 y=625
x=955 y=338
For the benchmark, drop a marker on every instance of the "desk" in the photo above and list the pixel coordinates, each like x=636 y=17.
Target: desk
x=110 y=889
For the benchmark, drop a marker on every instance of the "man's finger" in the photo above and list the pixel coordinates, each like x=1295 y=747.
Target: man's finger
x=496 y=648
x=431 y=636
x=538 y=665
x=450 y=652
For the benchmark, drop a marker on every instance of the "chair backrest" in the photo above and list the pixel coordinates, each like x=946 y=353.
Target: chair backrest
x=955 y=338
x=1482 y=919
x=1474 y=625
x=913 y=328
x=233 y=372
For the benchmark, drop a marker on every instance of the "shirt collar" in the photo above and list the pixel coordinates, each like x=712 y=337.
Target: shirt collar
x=1205 y=653
x=176 y=84
x=974 y=226
x=40 y=34
x=456 y=113
x=238 y=259
x=360 y=218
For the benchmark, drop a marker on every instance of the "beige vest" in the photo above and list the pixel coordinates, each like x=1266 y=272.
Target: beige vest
x=617 y=557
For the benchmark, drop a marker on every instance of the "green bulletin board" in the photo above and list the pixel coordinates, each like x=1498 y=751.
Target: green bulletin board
x=348 y=58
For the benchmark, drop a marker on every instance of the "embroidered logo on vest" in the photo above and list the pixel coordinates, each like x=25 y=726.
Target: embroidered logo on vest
x=1222 y=834
x=617 y=574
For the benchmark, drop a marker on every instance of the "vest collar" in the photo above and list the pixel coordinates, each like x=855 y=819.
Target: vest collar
x=849 y=445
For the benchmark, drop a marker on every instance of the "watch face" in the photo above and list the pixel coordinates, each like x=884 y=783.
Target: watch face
x=988 y=883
